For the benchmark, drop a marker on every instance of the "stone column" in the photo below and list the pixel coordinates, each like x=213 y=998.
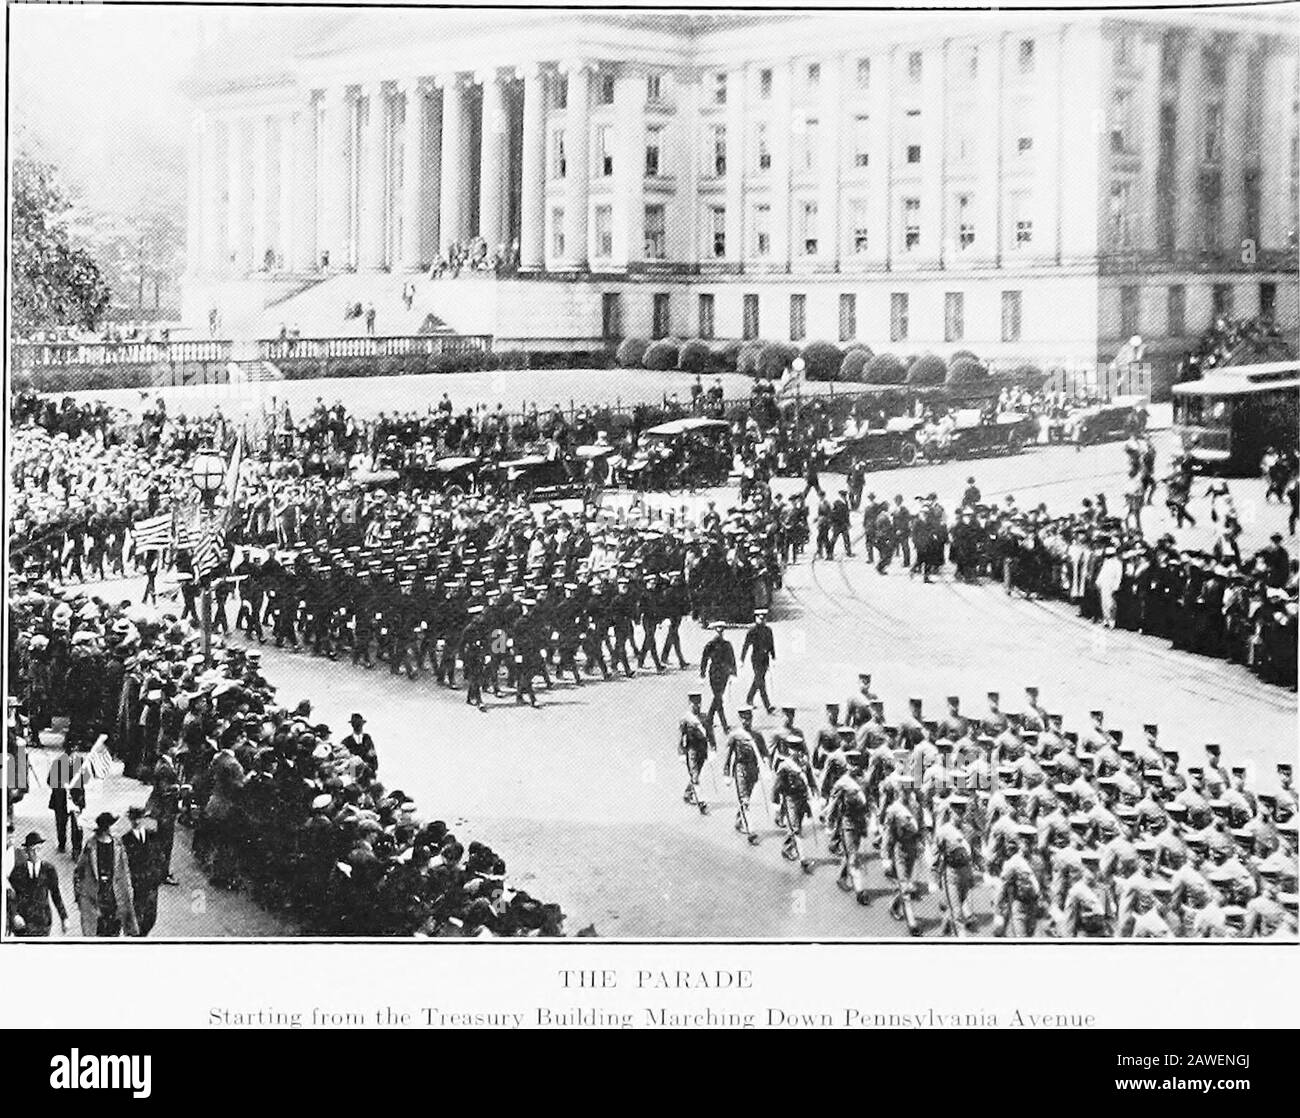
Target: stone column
x=737 y=93
x=415 y=178
x=988 y=138
x=373 y=179
x=779 y=198
x=239 y=249
x=1188 y=145
x=1048 y=172
x=336 y=153
x=455 y=159
x=304 y=258
x=934 y=110
x=577 y=128
x=1276 y=216
x=880 y=186
x=213 y=187
x=830 y=163
x=287 y=223
x=532 y=224
x=1235 y=108
x=494 y=163
x=263 y=200
x=1146 y=133
x=194 y=236
x=629 y=164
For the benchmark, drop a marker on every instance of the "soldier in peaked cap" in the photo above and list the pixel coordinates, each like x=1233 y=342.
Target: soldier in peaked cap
x=718 y=664
x=745 y=751
x=693 y=743
x=760 y=646
x=953 y=858
x=847 y=819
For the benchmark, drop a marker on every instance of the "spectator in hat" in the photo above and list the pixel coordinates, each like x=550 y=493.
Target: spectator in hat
x=67 y=781
x=144 y=862
x=35 y=885
x=359 y=744
x=101 y=884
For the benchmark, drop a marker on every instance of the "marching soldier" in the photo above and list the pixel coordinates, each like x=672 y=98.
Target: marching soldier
x=791 y=794
x=718 y=663
x=955 y=863
x=693 y=743
x=745 y=750
x=902 y=845
x=760 y=646
x=847 y=818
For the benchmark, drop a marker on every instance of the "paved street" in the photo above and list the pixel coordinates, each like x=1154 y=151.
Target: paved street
x=583 y=797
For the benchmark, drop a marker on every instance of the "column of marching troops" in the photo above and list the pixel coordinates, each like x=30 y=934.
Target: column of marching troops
x=1078 y=833
x=497 y=608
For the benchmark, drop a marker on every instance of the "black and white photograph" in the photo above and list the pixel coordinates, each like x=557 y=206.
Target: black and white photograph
x=683 y=475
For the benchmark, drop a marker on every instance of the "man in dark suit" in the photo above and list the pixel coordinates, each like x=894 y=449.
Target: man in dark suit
x=143 y=859
x=761 y=648
x=358 y=743
x=36 y=886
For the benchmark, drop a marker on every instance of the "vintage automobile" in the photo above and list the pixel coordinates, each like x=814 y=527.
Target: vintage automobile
x=973 y=433
x=539 y=478
x=680 y=454
x=892 y=445
x=455 y=475
x=1103 y=422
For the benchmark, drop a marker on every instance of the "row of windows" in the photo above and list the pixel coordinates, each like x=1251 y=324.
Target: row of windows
x=954 y=317
x=808 y=240
x=809 y=77
x=1221 y=306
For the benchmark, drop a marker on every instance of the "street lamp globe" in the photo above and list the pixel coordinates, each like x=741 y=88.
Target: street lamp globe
x=798 y=364
x=208 y=472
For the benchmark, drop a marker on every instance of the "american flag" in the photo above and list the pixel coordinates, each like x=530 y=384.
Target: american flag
x=211 y=547
x=187 y=528
x=155 y=533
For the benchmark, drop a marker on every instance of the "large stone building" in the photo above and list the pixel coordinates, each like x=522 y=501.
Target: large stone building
x=1037 y=184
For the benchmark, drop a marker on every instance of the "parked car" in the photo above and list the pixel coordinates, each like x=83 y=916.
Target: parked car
x=892 y=445
x=1103 y=422
x=540 y=478
x=682 y=453
x=975 y=433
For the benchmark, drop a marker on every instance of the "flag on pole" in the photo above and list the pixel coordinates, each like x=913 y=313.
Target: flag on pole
x=231 y=486
x=211 y=547
x=153 y=533
x=187 y=528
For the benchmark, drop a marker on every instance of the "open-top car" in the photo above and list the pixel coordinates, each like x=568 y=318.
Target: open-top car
x=680 y=454
x=973 y=433
x=1102 y=422
x=891 y=445
x=540 y=478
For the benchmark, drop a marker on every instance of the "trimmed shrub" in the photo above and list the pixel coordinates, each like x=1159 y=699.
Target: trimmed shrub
x=926 y=371
x=854 y=364
x=962 y=355
x=661 y=356
x=694 y=357
x=631 y=352
x=747 y=357
x=723 y=356
x=774 y=358
x=822 y=360
x=884 y=368
x=966 y=371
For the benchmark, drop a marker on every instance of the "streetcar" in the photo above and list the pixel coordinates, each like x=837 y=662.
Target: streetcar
x=1226 y=420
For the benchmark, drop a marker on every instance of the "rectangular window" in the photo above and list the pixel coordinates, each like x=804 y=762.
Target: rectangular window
x=653 y=148
x=1268 y=300
x=1211 y=210
x=662 y=324
x=1177 y=310
x=1024 y=145
x=798 y=317
x=1124 y=49
x=707 y=327
x=914 y=67
x=1022 y=224
x=717 y=154
x=954 y=316
x=1121 y=212
x=611 y=315
x=656 y=233
x=814 y=76
x=898 y=316
x=1011 y=316
x=808 y=145
x=858 y=224
x=971 y=65
x=911 y=224
x=720 y=88
x=1213 y=132
x=562 y=91
x=605 y=151
x=1025 y=56
x=765 y=84
x=557 y=232
x=762 y=230
x=912 y=136
x=864 y=73
x=1221 y=300
x=749 y=318
x=848 y=317
x=558 y=165
x=965 y=222
x=604 y=231
x=1130 y=310
x=1121 y=120
x=654 y=87
x=605 y=96
x=861 y=140
x=808 y=228
x=718 y=232
x=762 y=151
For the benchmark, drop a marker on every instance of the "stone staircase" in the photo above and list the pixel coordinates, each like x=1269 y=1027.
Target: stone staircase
x=253 y=371
x=318 y=311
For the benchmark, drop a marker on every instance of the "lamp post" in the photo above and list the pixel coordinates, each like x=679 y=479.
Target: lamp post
x=798 y=365
x=208 y=472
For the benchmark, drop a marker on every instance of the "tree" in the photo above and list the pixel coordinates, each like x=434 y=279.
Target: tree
x=54 y=283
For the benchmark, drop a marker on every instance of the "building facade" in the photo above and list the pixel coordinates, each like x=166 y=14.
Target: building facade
x=1037 y=184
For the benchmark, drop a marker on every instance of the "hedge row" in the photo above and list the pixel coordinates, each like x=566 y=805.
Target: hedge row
x=823 y=360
